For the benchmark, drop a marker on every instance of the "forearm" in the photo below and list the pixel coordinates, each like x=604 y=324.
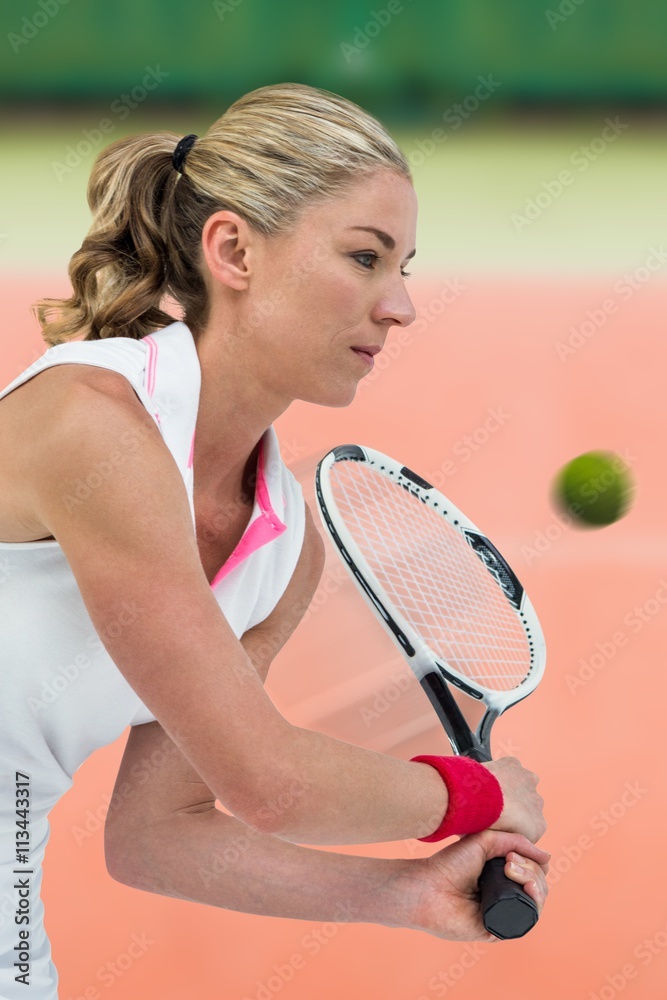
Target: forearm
x=325 y=791
x=215 y=859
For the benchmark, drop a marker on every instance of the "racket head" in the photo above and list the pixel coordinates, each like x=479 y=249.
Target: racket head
x=440 y=587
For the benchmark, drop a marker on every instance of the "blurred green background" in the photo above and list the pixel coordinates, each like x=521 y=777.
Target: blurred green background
x=513 y=91
x=402 y=57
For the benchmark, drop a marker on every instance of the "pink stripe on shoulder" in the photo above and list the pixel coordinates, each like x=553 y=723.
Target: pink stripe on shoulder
x=151 y=364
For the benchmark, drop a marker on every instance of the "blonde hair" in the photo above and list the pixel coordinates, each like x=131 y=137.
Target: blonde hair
x=270 y=153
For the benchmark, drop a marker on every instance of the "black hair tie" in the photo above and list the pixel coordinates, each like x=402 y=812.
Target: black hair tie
x=182 y=149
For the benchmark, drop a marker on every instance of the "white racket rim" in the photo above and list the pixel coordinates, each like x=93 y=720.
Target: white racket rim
x=425 y=659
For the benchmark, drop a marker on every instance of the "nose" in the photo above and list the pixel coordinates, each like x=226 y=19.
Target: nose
x=395 y=307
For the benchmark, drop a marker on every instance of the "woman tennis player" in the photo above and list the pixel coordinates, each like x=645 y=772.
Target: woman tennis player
x=157 y=553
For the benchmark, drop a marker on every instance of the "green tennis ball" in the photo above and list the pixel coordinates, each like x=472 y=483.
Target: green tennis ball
x=596 y=488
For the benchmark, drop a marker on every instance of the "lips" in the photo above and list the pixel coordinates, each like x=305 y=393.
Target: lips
x=372 y=350
x=366 y=356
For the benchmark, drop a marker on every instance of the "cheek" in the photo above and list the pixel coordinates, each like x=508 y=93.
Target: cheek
x=311 y=302
x=338 y=300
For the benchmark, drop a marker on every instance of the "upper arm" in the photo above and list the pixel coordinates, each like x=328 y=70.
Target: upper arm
x=129 y=538
x=155 y=780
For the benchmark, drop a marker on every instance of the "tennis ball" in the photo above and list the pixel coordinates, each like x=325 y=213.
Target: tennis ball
x=596 y=488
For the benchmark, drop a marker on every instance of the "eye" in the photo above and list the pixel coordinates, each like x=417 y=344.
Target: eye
x=373 y=258
x=369 y=255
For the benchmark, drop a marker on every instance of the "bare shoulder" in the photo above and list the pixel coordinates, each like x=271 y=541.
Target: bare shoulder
x=59 y=379
x=35 y=419
x=27 y=413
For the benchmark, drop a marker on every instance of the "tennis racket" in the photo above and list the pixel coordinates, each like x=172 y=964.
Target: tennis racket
x=450 y=602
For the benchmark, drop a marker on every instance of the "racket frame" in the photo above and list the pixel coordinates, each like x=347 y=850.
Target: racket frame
x=431 y=670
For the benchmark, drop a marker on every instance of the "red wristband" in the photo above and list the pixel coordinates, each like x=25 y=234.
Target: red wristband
x=475 y=796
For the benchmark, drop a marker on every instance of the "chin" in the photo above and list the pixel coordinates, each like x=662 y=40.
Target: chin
x=339 y=396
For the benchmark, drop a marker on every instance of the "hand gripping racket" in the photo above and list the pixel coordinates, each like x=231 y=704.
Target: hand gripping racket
x=451 y=603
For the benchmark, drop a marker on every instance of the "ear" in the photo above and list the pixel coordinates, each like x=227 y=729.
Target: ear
x=226 y=245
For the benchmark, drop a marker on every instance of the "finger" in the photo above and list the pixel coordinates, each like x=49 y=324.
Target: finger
x=526 y=862
x=499 y=844
x=537 y=890
x=530 y=851
x=533 y=883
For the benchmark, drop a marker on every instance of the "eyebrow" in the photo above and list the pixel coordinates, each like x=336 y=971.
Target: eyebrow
x=388 y=241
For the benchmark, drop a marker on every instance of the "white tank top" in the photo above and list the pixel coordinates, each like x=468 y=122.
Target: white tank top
x=62 y=695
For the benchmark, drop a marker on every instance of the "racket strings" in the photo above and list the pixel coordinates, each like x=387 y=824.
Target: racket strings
x=432 y=576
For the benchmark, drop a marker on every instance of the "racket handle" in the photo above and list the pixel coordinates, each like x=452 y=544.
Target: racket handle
x=507 y=910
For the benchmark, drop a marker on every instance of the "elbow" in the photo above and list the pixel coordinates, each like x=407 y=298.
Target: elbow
x=278 y=809
x=114 y=854
x=117 y=873
x=279 y=813
x=117 y=866
x=124 y=858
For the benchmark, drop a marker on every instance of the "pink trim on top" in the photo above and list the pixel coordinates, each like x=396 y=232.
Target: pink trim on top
x=267 y=525
x=151 y=364
x=263 y=529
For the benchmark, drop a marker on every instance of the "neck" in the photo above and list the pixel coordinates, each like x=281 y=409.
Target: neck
x=235 y=409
